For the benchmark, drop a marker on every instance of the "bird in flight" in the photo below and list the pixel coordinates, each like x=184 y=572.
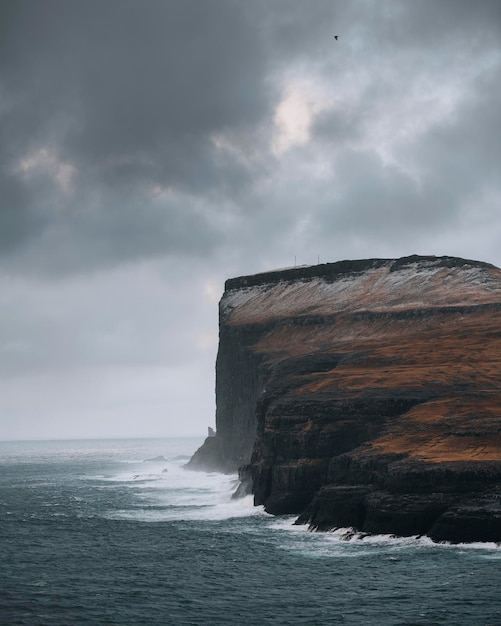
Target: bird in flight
x=336 y=37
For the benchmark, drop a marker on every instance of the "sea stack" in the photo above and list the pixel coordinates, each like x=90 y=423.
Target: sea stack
x=365 y=394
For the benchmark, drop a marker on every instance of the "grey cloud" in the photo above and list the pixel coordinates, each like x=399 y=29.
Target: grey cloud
x=451 y=164
x=124 y=318
x=137 y=79
x=466 y=152
x=441 y=171
x=137 y=172
x=130 y=95
x=18 y=224
x=428 y=22
x=381 y=200
x=110 y=231
x=135 y=230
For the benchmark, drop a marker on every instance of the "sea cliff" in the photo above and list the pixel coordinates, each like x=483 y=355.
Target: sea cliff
x=365 y=394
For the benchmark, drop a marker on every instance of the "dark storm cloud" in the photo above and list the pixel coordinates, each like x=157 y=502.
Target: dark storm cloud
x=417 y=144
x=382 y=200
x=467 y=151
x=428 y=76
x=138 y=129
x=18 y=224
x=151 y=149
x=124 y=95
x=436 y=175
x=427 y=22
x=114 y=228
x=158 y=82
x=135 y=74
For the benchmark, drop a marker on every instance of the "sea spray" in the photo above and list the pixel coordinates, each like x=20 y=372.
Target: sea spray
x=90 y=533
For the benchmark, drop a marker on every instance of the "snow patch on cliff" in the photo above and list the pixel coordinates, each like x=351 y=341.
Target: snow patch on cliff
x=416 y=285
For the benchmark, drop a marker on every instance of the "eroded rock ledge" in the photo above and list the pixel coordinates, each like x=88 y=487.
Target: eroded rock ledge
x=366 y=394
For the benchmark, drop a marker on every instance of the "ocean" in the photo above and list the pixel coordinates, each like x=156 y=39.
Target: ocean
x=118 y=532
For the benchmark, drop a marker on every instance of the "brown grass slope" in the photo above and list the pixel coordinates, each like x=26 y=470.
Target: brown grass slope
x=396 y=367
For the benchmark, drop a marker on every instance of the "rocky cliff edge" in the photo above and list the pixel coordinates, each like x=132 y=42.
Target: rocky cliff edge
x=365 y=394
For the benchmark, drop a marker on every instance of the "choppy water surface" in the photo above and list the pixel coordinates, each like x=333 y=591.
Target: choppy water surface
x=91 y=532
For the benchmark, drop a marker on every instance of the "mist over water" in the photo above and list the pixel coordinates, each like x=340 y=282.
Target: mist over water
x=118 y=532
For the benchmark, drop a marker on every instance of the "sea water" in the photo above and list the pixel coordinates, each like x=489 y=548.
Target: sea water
x=118 y=532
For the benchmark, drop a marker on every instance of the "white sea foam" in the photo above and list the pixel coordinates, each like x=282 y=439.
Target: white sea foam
x=347 y=542
x=228 y=510
x=167 y=491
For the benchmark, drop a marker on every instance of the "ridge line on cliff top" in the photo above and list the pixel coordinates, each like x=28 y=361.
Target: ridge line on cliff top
x=347 y=267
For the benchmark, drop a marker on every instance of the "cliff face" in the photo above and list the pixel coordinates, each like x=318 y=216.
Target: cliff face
x=239 y=385
x=365 y=394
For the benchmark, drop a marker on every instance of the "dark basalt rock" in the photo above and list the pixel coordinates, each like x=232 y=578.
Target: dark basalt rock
x=477 y=520
x=365 y=394
x=208 y=457
x=453 y=502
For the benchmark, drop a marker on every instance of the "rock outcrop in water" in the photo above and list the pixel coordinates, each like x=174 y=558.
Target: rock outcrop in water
x=365 y=394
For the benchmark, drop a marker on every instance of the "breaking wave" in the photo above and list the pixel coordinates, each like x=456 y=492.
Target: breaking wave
x=348 y=542
x=165 y=491
x=120 y=532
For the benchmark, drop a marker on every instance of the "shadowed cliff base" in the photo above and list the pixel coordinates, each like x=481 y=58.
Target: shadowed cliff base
x=366 y=394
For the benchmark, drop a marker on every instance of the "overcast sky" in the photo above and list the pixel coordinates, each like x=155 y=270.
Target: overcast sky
x=150 y=149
